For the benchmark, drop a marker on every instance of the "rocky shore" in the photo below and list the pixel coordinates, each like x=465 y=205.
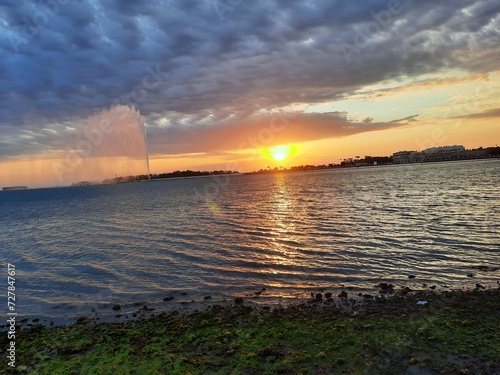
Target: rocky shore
x=397 y=331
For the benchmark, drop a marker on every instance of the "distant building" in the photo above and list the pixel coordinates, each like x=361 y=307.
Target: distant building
x=443 y=153
x=405 y=157
x=444 y=149
x=14 y=187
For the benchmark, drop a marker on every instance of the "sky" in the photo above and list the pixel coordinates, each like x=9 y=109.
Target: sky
x=90 y=88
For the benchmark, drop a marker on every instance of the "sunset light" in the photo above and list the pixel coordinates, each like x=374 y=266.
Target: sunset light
x=215 y=186
x=280 y=152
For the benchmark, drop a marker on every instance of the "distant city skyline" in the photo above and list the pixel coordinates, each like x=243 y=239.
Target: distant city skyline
x=90 y=89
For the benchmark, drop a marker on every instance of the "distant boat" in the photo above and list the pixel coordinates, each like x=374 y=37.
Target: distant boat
x=14 y=187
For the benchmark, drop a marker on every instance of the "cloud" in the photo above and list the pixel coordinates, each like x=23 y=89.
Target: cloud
x=262 y=131
x=63 y=60
x=490 y=113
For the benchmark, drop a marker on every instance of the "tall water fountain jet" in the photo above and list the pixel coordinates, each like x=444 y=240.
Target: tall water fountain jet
x=143 y=128
x=109 y=144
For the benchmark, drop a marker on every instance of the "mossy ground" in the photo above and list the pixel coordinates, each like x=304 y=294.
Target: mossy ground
x=457 y=333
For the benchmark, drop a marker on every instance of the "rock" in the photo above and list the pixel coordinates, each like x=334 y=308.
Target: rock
x=343 y=294
x=238 y=300
x=432 y=287
x=207 y=297
x=406 y=290
x=411 y=276
x=168 y=298
x=479 y=286
x=386 y=288
x=258 y=292
x=470 y=275
x=116 y=307
x=216 y=308
x=183 y=293
x=328 y=295
x=318 y=297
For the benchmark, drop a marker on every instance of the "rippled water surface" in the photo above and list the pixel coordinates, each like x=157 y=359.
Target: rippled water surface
x=290 y=233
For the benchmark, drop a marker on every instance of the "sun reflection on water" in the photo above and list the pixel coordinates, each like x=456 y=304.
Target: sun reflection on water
x=282 y=218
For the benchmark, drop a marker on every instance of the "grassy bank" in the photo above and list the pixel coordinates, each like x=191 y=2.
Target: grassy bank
x=455 y=333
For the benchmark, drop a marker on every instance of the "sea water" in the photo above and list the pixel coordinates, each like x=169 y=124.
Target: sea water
x=81 y=248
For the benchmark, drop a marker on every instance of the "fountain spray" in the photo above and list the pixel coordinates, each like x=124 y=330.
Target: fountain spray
x=147 y=146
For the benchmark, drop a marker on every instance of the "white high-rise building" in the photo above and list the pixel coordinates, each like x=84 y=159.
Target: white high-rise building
x=444 y=149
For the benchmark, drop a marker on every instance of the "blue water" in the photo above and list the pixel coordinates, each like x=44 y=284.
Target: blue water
x=79 y=248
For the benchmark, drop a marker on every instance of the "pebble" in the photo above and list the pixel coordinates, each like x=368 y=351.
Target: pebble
x=406 y=290
x=116 y=307
x=168 y=298
x=411 y=276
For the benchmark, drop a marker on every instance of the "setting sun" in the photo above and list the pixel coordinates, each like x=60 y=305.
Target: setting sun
x=280 y=152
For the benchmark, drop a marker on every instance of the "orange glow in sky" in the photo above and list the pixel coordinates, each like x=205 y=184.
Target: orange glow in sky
x=280 y=152
x=232 y=95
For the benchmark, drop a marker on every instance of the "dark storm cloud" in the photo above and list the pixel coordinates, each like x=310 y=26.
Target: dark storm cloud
x=179 y=61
